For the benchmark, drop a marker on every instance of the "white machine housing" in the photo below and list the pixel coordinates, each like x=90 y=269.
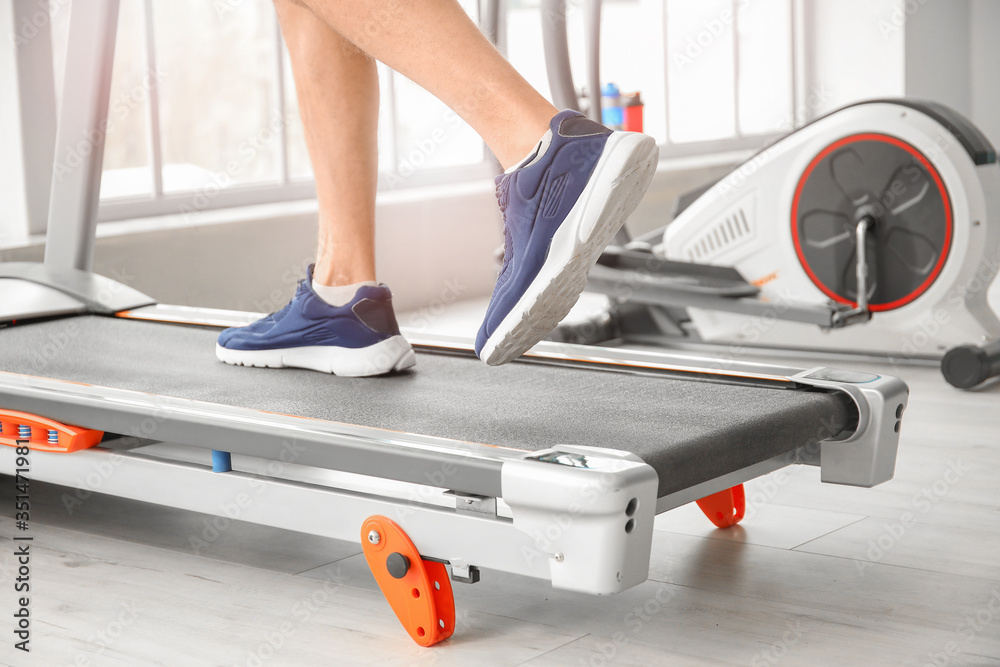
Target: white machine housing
x=756 y=198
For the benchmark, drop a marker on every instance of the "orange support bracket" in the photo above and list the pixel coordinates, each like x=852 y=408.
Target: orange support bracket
x=418 y=590
x=725 y=508
x=44 y=435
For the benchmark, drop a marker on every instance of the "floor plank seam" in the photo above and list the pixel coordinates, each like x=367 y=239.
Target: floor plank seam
x=561 y=646
x=328 y=564
x=829 y=533
x=903 y=567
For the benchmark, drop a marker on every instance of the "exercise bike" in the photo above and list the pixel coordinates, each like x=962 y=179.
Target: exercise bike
x=872 y=229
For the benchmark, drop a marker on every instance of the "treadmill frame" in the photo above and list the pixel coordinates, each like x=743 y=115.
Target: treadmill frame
x=539 y=514
x=581 y=517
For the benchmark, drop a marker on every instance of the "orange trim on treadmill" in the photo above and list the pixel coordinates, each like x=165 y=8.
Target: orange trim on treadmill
x=69 y=438
x=872 y=136
x=390 y=430
x=129 y=315
x=126 y=314
x=418 y=590
x=635 y=364
x=665 y=367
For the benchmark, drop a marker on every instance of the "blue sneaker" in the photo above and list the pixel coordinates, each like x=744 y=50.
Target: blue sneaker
x=560 y=209
x=357 y=339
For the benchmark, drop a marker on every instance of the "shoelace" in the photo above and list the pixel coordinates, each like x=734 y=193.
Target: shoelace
x=281 y=311
x=508 y=241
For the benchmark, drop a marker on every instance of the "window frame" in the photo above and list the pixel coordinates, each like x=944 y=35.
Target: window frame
x=286 y=188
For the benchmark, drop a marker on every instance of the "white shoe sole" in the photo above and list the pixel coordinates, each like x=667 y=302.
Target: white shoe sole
x=392 y=354
x=616 y=187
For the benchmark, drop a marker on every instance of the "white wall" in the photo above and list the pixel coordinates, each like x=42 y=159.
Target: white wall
x=27 y=119
x=13 y=214
x=985 y=67
x=430 y=249
x=856 y=52
x=952 y=55
x=937 y=52
x=942 y=50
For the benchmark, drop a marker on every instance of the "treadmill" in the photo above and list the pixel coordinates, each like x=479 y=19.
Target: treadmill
x=553 y=466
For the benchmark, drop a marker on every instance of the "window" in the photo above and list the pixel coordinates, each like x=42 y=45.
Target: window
x=713 y=74
x=204 y=115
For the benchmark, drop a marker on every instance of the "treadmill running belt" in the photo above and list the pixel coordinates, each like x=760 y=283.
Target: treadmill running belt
x=689 y=432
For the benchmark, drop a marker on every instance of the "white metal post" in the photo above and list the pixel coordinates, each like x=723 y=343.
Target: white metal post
x=27 y=134
x=83 y=118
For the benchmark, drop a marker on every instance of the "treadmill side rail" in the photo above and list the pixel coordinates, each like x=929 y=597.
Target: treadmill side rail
x=867 y=456
x=594 y=520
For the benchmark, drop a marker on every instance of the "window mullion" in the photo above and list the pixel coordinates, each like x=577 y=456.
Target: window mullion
x=153 y=109
x=736 y=69
x=389 y=103
x=666 y=73
x=279 y=108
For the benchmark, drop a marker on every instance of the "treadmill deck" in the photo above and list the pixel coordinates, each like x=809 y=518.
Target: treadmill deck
x=688 y=431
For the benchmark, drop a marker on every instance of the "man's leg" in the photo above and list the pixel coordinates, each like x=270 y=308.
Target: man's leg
x=339 y=321
x=574 y=183
x=337 y=89
x=436 y=44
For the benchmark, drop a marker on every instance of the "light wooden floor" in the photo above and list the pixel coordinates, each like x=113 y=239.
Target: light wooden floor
x=816 y=575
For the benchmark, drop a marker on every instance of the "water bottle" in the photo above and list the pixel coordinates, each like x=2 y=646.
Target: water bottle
x=632 y=110
x=611 y=106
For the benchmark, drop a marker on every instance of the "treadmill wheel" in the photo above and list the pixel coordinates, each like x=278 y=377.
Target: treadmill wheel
x=418 y=590
x=725 y=508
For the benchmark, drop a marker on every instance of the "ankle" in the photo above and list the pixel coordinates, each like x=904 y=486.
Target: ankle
x=336 y=275
x=339 y=295
x=523 y=142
